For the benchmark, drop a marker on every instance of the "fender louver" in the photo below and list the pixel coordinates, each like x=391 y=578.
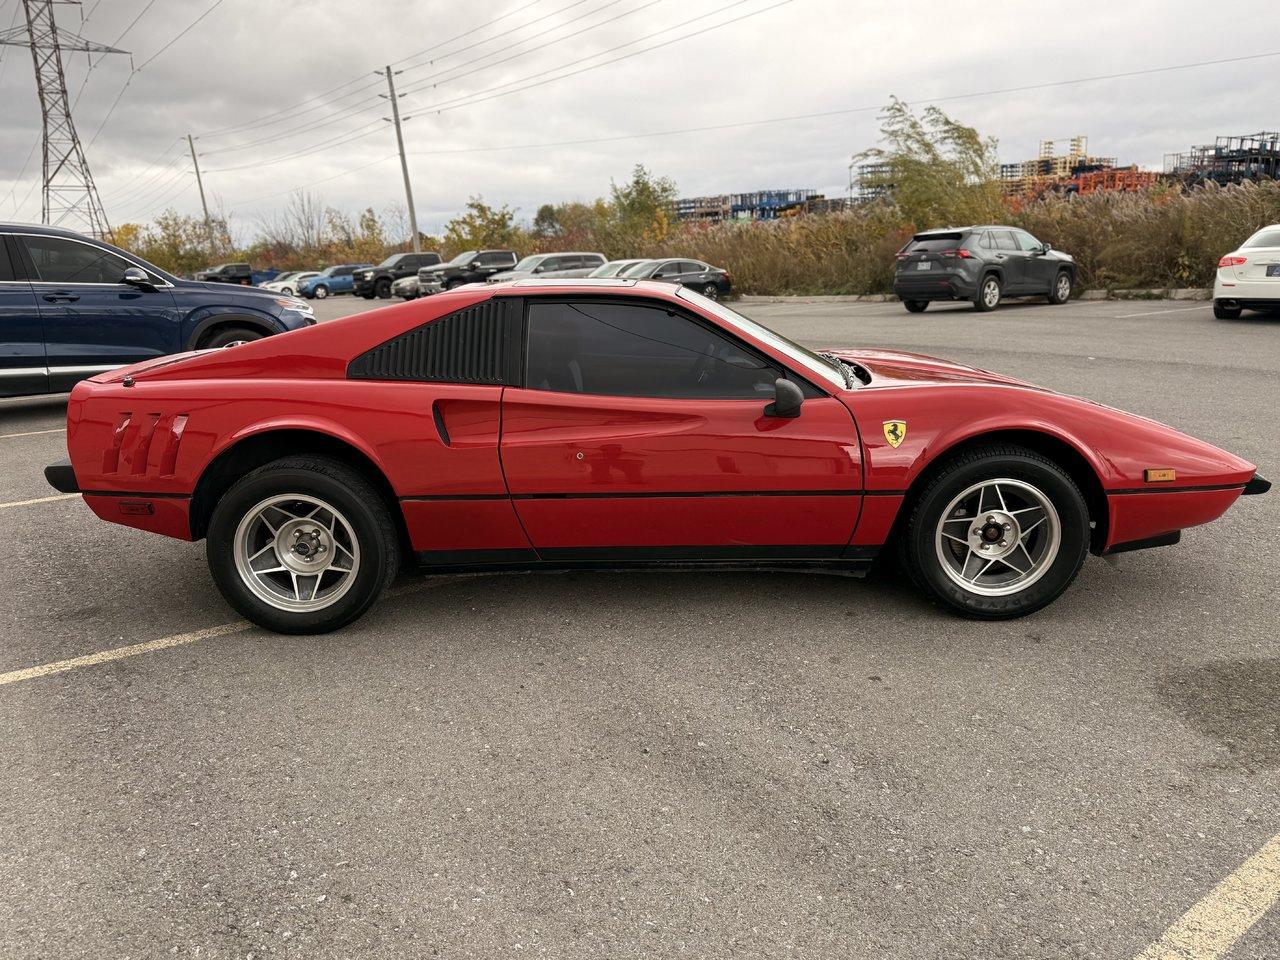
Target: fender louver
x=479 y=344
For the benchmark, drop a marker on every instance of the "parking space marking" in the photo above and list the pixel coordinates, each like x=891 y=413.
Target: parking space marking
x=31 y=503
x=31 y=433
x=181 y=639
x=1212 y=927
x=1156 y=313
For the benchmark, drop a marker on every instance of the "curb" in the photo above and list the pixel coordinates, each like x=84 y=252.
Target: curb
x=1154 y=293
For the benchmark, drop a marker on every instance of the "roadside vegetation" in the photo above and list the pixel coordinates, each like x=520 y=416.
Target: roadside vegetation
x=942 y=173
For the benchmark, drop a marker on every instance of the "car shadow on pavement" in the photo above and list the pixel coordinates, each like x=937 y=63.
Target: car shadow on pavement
x=1235 y=703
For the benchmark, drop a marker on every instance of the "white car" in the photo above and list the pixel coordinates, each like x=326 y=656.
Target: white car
x=1249 y=278
x=287 y=283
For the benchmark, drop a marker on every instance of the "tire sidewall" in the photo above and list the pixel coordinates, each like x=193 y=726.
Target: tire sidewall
x=1054 y=295
x=981 y=302
x=252 y=490
x=382 y=290
x=321 y=292
x=1073 y=515
x=224 y=338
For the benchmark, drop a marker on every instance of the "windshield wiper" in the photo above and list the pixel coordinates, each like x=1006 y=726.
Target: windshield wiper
x=851 y=372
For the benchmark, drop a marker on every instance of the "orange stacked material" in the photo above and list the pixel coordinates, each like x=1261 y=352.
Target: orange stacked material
x=1126 y=179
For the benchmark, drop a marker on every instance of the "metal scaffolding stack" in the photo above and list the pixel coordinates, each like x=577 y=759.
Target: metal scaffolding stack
x=1254 y=156
x=1052 y=169
x=757 y=205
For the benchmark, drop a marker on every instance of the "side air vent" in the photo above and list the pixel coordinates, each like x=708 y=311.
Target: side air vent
x=475 y=345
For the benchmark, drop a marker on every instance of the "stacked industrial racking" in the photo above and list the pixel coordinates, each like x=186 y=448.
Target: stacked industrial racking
x=1231 y=159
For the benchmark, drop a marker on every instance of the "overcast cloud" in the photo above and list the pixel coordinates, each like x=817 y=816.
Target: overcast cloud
x=250 y=58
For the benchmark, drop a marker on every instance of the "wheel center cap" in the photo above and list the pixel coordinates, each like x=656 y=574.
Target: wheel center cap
x=994 y=534
x=303 y=546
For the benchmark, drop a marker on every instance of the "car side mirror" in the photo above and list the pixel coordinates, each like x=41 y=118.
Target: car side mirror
x=787 y=399
x=475 y=264
x=1045 y=248
x=137 y=277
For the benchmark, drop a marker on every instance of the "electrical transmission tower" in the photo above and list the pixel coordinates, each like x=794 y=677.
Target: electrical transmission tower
x=69 y=197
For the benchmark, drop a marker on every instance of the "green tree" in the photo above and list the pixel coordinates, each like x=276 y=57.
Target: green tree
x=642 y=208
x=483 y=226
x=938 y=171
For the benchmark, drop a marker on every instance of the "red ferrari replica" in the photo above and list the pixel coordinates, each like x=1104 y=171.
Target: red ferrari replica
x=610 y=423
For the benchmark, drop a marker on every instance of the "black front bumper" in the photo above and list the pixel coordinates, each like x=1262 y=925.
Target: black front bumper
x=361 y=287
x=1256 y=486
x=62 y=477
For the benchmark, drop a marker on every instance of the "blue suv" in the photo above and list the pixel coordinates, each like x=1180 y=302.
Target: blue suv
x=71 y=307
x=340 y=278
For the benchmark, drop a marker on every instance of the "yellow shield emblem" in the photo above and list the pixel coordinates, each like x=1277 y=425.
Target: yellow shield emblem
x=895 y=431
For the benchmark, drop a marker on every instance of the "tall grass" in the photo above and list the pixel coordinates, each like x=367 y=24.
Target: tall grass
x=1162 y=237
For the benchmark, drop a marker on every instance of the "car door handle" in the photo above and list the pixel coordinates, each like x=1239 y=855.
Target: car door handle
x=61 y=296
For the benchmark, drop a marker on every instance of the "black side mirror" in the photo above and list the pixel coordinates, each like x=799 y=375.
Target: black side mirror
x=787 y=398
x=1045 y=248
x=137 y=277
x=475 y=264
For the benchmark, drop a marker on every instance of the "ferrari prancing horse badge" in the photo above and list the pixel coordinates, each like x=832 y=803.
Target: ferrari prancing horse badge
x=895 y=431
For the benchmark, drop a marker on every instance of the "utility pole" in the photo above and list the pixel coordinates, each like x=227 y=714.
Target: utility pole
x=68 y=194
x=404 y=164
x=208 y=224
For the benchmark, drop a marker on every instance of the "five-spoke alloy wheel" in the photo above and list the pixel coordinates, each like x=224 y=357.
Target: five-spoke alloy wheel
x=999 y=531
x=302 y=545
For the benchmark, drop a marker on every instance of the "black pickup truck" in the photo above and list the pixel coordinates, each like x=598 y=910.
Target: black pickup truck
x=377 y=281
x=240 y=273
x=470 y=266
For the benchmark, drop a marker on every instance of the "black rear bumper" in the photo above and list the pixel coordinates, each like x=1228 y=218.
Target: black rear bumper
x=62 y=477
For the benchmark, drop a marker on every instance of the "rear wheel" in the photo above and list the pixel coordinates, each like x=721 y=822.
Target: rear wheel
x=988 y=294
x=916 y=306
x=383 y=290
x=230 y=337
x=711 y=291
x=1224 y=312
x=1062 y=285
x=302 y=545
x=999 y=533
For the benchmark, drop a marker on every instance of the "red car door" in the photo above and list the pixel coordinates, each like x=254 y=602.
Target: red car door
x=640 y=433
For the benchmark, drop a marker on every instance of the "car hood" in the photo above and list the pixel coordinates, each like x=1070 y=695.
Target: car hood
x=897 y=368
x=229 y=291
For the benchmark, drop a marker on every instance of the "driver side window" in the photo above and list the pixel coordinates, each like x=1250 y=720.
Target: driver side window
x=630 y=350
x=68 y=261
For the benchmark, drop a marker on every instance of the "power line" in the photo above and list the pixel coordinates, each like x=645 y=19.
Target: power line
x=291 y=110
x=356 y=108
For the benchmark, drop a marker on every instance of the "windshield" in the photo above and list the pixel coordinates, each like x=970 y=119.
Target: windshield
x=464 y=257
x=327 y=271
x=825 y=369
x=1264 y=238
x=391 y=260
x=637 y=269
x=283 y=276
x=528 y=263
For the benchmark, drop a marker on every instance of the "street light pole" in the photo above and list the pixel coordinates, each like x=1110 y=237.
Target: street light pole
x=208 y=223
x=404 y=164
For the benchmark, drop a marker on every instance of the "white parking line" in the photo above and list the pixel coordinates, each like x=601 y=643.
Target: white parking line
x=1226 y=913
x=179 y=639
x=31 y=503
x=1156 y=313
x=31 y=433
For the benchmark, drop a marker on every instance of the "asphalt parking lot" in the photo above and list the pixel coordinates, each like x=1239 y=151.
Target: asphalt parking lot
x=661 y=765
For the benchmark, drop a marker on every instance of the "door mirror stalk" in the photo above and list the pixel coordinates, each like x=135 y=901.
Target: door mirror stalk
x=787 y=399
x=137 y=277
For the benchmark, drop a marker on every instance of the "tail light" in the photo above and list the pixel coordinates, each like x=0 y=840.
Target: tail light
x=1232 y=261
x=962 y=253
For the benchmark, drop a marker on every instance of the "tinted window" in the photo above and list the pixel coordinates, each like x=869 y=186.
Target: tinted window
x=1264 y=238
x=1004 y=240
x=667 y=270
x=593 y=260
x=934 y=243
x=497 y=259
x=1026 y=241
x=987 y=242
x=6 y=268
x=629 y=350
x=68 y=261
x=557 y=263
x=690 y=266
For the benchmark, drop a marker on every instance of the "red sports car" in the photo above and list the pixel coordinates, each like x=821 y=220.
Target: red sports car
x=611 y=423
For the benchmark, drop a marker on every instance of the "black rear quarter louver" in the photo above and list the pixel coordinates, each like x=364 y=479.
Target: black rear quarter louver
x=479 y=344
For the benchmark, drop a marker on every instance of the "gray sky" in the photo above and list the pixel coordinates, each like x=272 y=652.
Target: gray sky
x=250 y=59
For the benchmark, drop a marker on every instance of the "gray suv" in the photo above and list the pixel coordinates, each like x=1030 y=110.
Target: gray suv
x=982 y=265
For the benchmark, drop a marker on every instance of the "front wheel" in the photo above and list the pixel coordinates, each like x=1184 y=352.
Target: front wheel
x=988 y=294
x=320 y=292
x=1061 y=291
x=999 y=533
x=302 y=545
x=454 y=284
x=231 y=337
x=916 y=306
x=383 y=290
x=1223 y=312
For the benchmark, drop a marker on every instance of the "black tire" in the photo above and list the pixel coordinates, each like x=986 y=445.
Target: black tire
x=916 y=306
x=984 y=302
x=1063 y=284
x=711 y=291
x=919 y=550
x=382 y=290
x=454 y=284
x=320 y=292
x=334 y=482
x=229 y=337
x=366 y=296
x=1223 y=312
